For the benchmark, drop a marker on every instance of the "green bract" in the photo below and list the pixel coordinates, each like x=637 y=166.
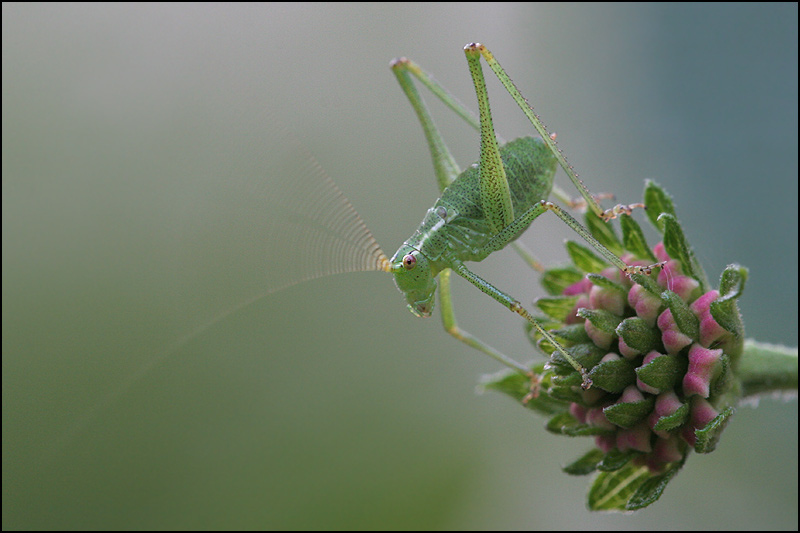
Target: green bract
x=662 y=352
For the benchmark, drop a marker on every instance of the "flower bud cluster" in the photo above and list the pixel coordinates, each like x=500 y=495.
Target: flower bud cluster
x=668 y=366
x=661 y=352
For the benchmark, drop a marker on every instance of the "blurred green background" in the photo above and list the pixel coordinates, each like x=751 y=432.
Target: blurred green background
x=328 y=405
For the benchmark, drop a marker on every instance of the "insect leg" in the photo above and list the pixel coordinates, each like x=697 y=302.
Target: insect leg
x=495 y=193
x=480 y=50
x=446 y=171
x=444 y=165
x=511 y=232
x=451 y=326
x=516 y=307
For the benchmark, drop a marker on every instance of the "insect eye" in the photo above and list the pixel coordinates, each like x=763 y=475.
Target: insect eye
x=409 y=261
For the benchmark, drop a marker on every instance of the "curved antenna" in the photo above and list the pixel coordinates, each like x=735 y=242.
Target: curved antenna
x=273 y=226
x=248 y=234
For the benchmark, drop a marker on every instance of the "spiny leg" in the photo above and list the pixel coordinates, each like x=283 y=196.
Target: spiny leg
x=451 y=326
x=501 y=239
x=605 y=252
x=475 y=49
x=473 y=52
x=445 y=167
x=446 y=171
x=516 y=307
x=580 y=204
x=495 y=192
x=497 y=207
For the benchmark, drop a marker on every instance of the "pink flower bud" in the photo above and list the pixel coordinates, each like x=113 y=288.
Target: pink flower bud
x=672 y=337
x=644 y=303
x=710 y=330
x=668 y=450
x=601 y=338
x=635 y=438
x=703 y=365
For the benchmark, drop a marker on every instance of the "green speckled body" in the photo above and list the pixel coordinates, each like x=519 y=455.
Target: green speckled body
x=464 y=230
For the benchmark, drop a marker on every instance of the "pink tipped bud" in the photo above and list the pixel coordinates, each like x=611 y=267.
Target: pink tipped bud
x=578 y=411
x=672 y=279
x=645 y=303
x=661 y=252
x=667 y=450
x=601 y=338
x=710 y=330
x=666 y=404
x=579 y=287
x=701 y=414
x=672 y=337
x=635 y=438
x=572 y=317
x=703 y=365
x=606 y=443
x=611 y=301
x=627 y=351
x=597 y=418
x=631 y=394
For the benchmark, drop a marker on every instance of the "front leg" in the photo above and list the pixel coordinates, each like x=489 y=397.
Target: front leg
x=451 y=326
x=512 y=231
x=514 y=305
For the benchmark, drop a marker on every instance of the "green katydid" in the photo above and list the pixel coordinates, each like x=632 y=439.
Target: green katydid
x=486 y=207
x=481 y=210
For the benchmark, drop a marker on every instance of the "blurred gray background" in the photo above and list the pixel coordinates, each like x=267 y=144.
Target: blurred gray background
x=328 y=405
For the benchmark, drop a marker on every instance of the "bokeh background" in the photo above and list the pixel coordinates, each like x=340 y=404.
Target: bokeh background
x=328 y=405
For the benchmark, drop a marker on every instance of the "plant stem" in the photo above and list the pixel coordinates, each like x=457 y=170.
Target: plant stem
x=766 y=368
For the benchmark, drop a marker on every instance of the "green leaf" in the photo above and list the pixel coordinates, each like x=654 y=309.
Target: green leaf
x=613 y=376
x=616 y=459
x=657 y=201
x=724 y=309
x=566 y=388
x=663 y=372
x=612 y=490
x=557 y=307
x=571 y=334
x=638 y=335
x=555 y=280
x=565 y=424
x=708 y=437
x=585 y=465
x=685 y=319
x=673 y=421
x=518 y=387
x=634 y=240
x=584 y=258
x=648 y=283
x=603 y=232
x=587 y=354
x=723 y=381
x=601 y=319
x=628 y=414
x=678 y=248
x=605 y=283
x=650 y=491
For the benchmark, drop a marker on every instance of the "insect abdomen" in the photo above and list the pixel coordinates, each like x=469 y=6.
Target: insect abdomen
x=530 y=167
